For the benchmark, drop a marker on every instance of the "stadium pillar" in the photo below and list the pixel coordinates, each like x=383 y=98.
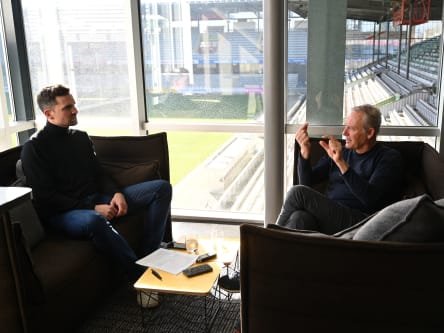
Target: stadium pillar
x=325 y=64
x=275 y=105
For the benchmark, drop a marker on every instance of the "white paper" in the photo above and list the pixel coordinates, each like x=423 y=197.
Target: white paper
x=169 y=261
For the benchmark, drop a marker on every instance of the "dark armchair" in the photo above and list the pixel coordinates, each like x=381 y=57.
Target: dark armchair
x=300 y=282
x=303 y=281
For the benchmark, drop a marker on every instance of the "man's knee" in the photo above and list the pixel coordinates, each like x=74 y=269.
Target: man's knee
x=302 y=220
x=166 y=189
x=301 y=191
x=95 y=222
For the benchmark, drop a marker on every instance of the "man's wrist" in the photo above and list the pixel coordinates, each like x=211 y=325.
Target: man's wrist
x=305 y=154
x=343 y=166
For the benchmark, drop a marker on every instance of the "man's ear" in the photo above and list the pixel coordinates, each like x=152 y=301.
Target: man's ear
x=48 y=113
x=371 y=133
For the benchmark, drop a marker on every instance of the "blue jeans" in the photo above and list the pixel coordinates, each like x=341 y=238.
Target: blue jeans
x=153 y=196
x=306 y=209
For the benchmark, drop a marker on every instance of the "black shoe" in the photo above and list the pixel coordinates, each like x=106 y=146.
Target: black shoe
x=230 y=283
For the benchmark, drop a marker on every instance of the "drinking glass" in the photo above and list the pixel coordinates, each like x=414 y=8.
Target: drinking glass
x=191 y=243
x=217 y=238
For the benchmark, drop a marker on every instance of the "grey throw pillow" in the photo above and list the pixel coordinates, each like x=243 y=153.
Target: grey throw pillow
x=21 y=178
x=297 y=231
x=419 y=219
x=350 y=232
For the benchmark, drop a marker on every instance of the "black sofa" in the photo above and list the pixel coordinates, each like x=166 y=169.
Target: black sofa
x=50 y=283
x=305 y=281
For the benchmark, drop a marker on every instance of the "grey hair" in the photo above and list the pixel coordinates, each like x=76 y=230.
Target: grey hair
x=372 y=116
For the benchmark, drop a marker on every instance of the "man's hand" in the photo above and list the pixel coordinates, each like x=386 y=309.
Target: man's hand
x=304 y=141
x=334 y=150
x=116 y=208
x=119 y=202
x=107 y=211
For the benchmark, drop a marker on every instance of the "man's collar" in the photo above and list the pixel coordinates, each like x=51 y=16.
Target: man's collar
x=56 y=129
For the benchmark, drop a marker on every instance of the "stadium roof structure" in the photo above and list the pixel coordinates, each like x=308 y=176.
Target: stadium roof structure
x=368 y=10
x=221 y=9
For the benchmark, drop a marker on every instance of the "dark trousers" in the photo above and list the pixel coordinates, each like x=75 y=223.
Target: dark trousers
x=153 y=196
x=307 y=209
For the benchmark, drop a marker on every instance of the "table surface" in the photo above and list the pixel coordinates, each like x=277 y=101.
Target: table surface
x=10 y=195
x=199 y=285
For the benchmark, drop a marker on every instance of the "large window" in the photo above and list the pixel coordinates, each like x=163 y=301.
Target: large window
x=203 y=65
x=195 y=69
x=82 y=44
x=397 y=72
x=387 y=64
x=9 y=122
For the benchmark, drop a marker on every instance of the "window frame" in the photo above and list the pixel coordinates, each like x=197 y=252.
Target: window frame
x=275 y=87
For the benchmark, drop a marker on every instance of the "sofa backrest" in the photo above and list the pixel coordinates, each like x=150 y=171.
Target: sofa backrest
x=134 y=148
x=424 y=170
x=112 y=149
x=432 y=172
x=8 y=161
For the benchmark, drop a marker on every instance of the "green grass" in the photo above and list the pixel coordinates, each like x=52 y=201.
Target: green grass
x=188 y=149
x=210 y=106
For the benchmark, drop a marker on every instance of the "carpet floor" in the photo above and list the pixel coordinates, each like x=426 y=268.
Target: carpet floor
x=176 y=313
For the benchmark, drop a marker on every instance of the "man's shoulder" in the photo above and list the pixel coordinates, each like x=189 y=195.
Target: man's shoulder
x=39 y=135
x=45 y=134
x=389 y=154
x=388 y=150
x=76 y=131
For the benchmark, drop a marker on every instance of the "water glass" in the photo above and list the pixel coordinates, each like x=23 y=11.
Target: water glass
x=191 y=243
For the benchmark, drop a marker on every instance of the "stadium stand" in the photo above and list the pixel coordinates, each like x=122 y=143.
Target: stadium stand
x=414 y=117
x=428 y=112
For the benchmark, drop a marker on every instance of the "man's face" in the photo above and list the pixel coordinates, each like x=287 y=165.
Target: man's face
x=356 y=136
x=63 y=113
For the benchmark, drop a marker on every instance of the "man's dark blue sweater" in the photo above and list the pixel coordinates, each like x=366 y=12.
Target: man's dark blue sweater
x=374 y=179
x=61 y=178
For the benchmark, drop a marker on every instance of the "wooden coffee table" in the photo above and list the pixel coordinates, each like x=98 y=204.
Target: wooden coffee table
x=200 y=285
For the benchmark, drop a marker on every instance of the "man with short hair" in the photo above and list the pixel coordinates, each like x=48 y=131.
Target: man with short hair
x=73 y=195
x=363 y=177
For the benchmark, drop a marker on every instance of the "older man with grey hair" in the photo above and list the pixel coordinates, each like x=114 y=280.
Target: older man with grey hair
x=363 y=177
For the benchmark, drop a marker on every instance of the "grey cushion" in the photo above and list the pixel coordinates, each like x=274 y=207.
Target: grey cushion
x=419 y=219
x=126 y=174
x=297 y=231
x=350 y=232
x=32 y=229
x=21 y=178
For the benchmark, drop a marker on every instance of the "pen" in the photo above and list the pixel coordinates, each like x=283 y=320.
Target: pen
x=157 y=275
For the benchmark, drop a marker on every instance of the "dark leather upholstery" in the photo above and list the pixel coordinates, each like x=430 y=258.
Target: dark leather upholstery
x=303 y=282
